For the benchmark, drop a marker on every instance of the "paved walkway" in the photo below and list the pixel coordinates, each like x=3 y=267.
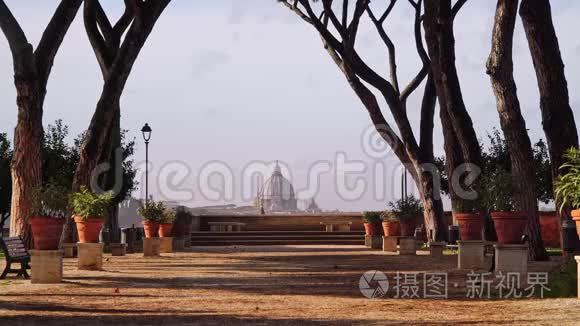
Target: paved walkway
x=300 y=285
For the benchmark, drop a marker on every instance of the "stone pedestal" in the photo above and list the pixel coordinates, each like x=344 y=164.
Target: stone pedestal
x=178 y=244
x=118 y=249
x=407 y=246
x=69 y=250
x=471 y=254
x=151 y=247
x=512 y=258
x=374 y=241
x=436 y=249
x=166 y=245
x=390 y=243
x=46 y=266
x=90 y=256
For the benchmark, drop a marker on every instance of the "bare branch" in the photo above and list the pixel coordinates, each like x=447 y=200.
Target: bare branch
x=418 y=79
x=390 y=47
x=295 y=9
x=53 y=36
x=97 y=41
x=388 y=11
x=457 y=7
x=344 y=12
x=12 y=30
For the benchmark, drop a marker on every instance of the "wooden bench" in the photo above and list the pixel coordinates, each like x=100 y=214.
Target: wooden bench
x=226 y=226
x=15 y=252
x=331 y=226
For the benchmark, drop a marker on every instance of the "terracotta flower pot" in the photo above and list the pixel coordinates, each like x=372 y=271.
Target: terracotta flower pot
x=89 y=229
x=391 y=228
x=165 y=230
x=576 y=217
x=550 y=227
x=46 y=232
x=509 y=226
x=408 y=227
x=151 y=229
x=372 y=228
x=470 y=225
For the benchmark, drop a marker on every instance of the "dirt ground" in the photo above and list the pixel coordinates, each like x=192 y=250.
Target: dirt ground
x=285 y=285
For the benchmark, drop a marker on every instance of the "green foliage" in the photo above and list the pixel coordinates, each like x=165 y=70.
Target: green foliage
x=152 y=211
x=497 y=194
x=168 y=216
x=389 y=216
x=407 y=208
x=50 y=201
x=496 y=178
x=90 y=205
x=568 y=184
x=183 y=216
x=5 y=175
x=371 y=216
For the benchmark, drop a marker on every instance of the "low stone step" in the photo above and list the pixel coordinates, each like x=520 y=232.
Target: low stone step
x=273 y=242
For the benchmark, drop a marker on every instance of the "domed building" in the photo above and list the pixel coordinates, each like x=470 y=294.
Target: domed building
x=277 y=194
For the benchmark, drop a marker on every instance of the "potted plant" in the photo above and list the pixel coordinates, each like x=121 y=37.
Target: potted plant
x=407 y=211
x=390 y=224
x=499 y=199
x=151 y=213
x=567 y=186
x=89 y=210
x=372 y=222
x=469 y=219
x=49 y=210
x=166 y=223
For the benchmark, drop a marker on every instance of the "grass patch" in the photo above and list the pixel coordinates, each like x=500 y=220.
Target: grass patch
x=563 y=283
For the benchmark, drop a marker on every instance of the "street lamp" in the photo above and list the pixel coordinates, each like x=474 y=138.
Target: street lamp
x=146 y=130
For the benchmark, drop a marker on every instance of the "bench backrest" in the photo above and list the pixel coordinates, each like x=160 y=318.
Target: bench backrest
x=14 y=247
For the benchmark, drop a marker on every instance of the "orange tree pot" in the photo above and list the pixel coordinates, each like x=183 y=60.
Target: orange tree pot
x=89 y=229
x=576 y=217
x=509 y=226
x=470 y=225
x=46 y=232
x=550 y=229
x=151 y=228
x=408 y=226
x=372 y=228
x=391 y=228
x=165 y=230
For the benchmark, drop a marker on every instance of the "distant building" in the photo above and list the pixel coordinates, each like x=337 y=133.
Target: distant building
x=277 y=194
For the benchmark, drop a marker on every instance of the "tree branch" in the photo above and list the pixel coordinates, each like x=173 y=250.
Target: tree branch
x=390 y=47
x=98 y=43
x=12 y=30
x=416 y=81
x=457 y=7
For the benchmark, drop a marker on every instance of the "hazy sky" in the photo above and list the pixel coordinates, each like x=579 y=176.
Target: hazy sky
x=231 y=83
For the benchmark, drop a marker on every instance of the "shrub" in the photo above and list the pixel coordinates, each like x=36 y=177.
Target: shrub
x=407 y=208
x=87 y=204
x=168 y=216
x=50 y=201
x=371 y=216
x=183 y=216
x=497 y=191
x=152 y=211
x=389 y=216
x=567 y=188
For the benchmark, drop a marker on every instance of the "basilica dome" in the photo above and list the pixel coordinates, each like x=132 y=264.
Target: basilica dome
x=277 y=193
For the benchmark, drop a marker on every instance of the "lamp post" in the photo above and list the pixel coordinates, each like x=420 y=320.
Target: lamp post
x=146 y=131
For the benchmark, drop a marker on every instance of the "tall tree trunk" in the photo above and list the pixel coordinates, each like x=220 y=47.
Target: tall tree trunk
x=500 y=70
x=430 y=195
x=438 y=24
x=26 y=165
x=453 y=158
x=557 y=116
